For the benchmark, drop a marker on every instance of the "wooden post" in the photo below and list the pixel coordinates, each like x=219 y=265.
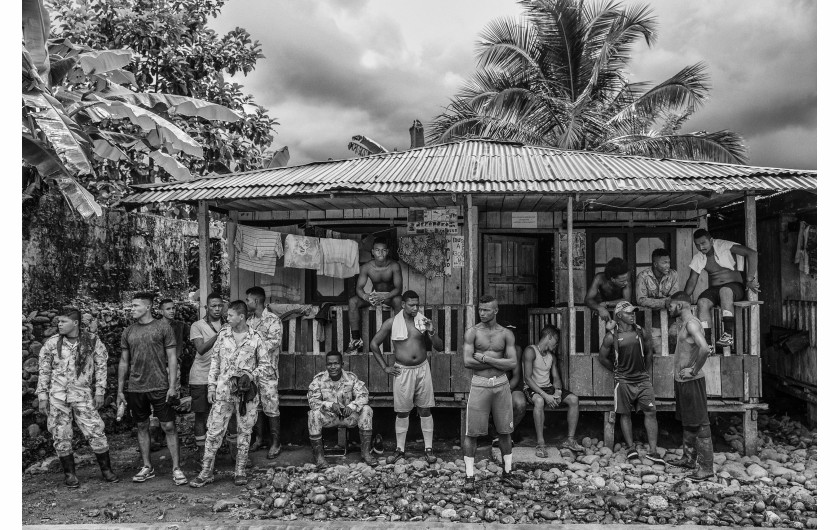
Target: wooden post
x=609 y=429
x=752 y=242
x=231 y=254
x=750 y=432
x=203 y=219
x=570 y=289
x=471 y=224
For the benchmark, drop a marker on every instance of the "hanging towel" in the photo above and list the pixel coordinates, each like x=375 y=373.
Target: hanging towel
x=426 y=253
x=257 y=250
x=801 y=256
x=340 y=258
x=303 y=252
x=399 y=331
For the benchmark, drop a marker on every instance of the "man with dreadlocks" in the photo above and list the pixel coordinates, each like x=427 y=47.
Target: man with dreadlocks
x=69 y=364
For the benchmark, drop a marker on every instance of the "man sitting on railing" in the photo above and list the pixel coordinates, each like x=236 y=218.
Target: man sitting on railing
x=386 y=276
x=628 y=353
x=722 y=260
x=338 y=398
x=654 y=287
x=608 y=287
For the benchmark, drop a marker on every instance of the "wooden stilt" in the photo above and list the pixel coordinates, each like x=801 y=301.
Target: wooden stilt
x=812 y=414
x=750 y=432
x=463 y=425
x=203 y=219
x=609 y=429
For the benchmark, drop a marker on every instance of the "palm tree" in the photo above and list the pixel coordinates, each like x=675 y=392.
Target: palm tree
x=557 y=78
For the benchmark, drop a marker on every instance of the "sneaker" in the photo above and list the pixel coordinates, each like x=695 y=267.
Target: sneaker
x=469 y=484
x=201 y=480
x=399 y=453
x=572 y=445
x=144 y=474
x=510 y=481
x=725 y=340
x=656 y=460
x=378 y=446
x=633 y=455
x=355 y=346
x=699 y=475
x=178 y=477
x=430 y=457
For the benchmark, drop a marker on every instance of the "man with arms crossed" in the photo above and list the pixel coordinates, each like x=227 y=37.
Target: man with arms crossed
x=540 y=369
x=654 y=286
x=489 y=351
x=690 y=390
x=719 y=258
x=270 y=328
x=150 y=366
x=628 y=353
x=386 y=276
x=411 y=334
x=608 y=287
x=203 y=334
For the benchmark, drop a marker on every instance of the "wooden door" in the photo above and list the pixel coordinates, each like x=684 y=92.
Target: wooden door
x=511 y=275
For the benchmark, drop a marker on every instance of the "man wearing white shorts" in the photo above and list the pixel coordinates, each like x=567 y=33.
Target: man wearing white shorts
x=412 y=335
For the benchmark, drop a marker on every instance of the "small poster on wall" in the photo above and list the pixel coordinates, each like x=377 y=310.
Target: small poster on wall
x=433 y=220
x=524 y=220
x=456 y=251
x=578 y=250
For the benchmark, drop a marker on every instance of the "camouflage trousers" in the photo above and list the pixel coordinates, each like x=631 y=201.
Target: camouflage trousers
x=269 y=398
x=217 y=422
x=60 y=424
x=319 y=420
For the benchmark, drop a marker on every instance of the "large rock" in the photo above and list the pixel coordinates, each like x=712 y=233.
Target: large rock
x=657 y=502
x=756 y=471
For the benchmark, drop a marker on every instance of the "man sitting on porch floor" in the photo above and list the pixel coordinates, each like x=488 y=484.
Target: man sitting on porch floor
x=627 y=351
x=608 y=287
x=540 y=370
x=386 y=276
x=722 y=260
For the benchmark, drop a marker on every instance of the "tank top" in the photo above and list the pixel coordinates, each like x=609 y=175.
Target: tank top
x=686 y=353
x=541 y=373
x=629 y=359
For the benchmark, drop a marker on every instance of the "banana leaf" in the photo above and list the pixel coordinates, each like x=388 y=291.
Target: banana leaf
x=182 y=105
x=170 y=165
x=99 y=61
x=64 y=141
x=36 y=30
x=78 y=197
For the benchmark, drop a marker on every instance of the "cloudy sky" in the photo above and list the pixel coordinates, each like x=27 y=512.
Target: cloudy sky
x=337 y=68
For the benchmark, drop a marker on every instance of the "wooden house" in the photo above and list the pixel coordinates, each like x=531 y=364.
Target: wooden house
x=516 y=207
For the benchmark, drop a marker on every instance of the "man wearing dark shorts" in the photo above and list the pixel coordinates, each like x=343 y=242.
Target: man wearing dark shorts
x=544 y=388
x=722 y=260
x=489 y=351
x=627 y=352
x=690 y=391
x=148 y=379
x=203 y=334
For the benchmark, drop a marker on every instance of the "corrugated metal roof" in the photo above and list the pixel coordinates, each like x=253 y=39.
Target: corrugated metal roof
x=482 y=166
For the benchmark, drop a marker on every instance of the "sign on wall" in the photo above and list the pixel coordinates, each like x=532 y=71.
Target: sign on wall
x=524 y=219
x=433 y=220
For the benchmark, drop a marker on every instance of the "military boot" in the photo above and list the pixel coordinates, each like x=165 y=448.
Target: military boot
x=68 y=464
x=104 y=460
x=689 y=457
x=366 y=456
x=318 y=452
x=705 y=461
x=206 y=474
x=239 y=476
x=275 y=448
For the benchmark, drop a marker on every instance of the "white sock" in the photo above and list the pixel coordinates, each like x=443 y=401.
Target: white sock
x=725 y=313
x=508 y=460
x=427 y=425
x=704 y=324
x=401 y=428
x=470 y=462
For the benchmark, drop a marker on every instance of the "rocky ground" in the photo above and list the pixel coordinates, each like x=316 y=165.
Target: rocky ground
x=777 y=488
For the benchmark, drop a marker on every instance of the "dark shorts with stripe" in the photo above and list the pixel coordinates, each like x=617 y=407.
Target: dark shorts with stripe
x=713 y=293
x=634 y=396
x=691 y=408
x=550 y=390
x=141 y=405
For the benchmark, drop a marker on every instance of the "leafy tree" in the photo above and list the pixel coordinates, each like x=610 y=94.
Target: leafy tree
x=557 y=78
x=140 y=84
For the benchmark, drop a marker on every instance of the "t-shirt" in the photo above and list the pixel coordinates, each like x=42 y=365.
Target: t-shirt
x=148 y=368
x=629 y=358
x=201 y=364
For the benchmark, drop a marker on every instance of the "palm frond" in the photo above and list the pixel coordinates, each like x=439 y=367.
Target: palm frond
x=720 y=146
x=686 y=90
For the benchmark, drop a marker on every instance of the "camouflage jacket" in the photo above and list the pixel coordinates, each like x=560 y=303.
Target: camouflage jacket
x=349 y=391
x=69 y=374
x=270 y=328
x=229 y=361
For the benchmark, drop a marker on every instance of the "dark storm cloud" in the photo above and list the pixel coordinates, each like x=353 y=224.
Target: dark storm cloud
x=334 y=69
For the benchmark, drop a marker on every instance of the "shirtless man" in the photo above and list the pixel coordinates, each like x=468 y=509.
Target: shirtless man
x=608 y=287
x=690 y=390
x=412 y=334
x=489 y=351
x=386 y=276
x=726 y=286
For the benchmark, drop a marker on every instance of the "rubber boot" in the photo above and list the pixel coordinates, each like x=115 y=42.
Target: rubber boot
x=239 y=476
x=68 y=464
x=318 y=452
x=206 y=474
x=689 y=457
x=705 y=461
x=366 y=456
x=257 y=434
x=104 y=460
x=274 y=425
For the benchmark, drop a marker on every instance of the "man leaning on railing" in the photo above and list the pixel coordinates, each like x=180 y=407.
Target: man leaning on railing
x=654 y=287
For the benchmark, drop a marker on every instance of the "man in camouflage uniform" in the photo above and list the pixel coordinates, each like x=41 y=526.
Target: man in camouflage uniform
x=270 y=328
x=238 y=353
x=338 y=398
x=68 y=365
